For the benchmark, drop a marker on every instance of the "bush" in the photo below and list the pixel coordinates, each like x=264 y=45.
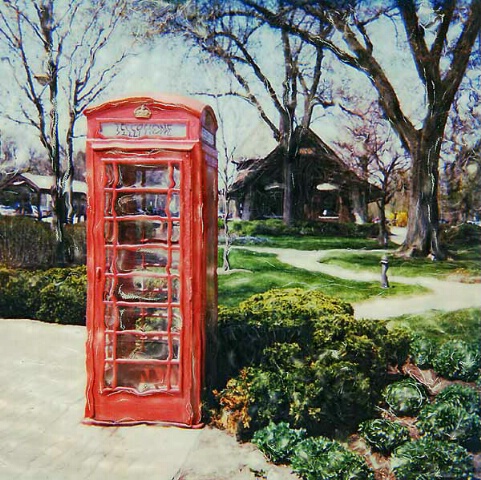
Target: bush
x=26 y=243
x=457 y=360
x=431 y=459
x=321 y=458
x=65 y=301
x=383 y=435
x=423 y=351
x=76 y=243
x=304 y=359
x=461 y=396
x=278 y=441
x=56 y=295
x=405 y=397
x=445 y=421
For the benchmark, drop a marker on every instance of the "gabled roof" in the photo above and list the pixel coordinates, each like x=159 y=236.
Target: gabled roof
x=311 y=149
x=43 y=182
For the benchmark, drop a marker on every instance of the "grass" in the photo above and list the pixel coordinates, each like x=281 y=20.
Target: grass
x=266 y=272
x=319 y=243
x=466 y=265
x=441 y=326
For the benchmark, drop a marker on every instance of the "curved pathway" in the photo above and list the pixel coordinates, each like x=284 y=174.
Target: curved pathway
x=444 y=295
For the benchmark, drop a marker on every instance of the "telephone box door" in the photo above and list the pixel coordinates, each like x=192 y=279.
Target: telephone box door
x=142 y=286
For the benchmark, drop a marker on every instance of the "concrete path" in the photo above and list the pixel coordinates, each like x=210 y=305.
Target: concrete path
x=444 y=295
x=42 y=377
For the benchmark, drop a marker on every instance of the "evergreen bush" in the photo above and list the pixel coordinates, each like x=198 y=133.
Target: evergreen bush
x=461 y=396
x=405 y=397
x=429 y=459
x=318 y=458
x=383 y=435
x=458 y=360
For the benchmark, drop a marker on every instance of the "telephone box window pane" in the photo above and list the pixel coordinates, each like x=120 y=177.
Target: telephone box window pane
x=108 y=289
x=108 y=204
x=175 y=236
x=144 y=378
x=142 y=288
x=155 y=320
x=141 y=204
x=144 y=176
x=109 y=176
x=176 y=175
x=176 y=320
x=109 y=317
x=108 y=375
x=109 y=347
x=175 y=290
x=136 y=347
x=174 y=205
x=153 y=260
x=175 y=259
x=129 y=317
x=174 y=376
x=175 y=348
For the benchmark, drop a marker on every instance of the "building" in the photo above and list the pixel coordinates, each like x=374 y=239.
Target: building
x=324 y=187
x=30 y=194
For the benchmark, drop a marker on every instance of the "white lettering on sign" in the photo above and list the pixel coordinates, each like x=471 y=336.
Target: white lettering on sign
x=138 y=130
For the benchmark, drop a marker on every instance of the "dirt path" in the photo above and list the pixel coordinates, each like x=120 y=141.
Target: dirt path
x=444 y=295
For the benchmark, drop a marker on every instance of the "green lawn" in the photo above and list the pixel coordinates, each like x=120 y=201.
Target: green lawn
x=266 y=272
x=441 y=326
x=319 y=243
x=467 y=264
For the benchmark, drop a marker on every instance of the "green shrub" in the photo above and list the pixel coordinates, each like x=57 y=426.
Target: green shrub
x=305 y=359
x=405 y=397
x=17 y=294
x=445 y=421
x=64 y=300
x=461 y=396
x=457 y=360
x=383 y=435
x=26 y=243
x=423 y=351
x=431 y=459
x=318 y=458
x=277 y=441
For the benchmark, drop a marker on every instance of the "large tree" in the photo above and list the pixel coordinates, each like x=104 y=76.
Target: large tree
x=54 y=49
x=441 y=44
x=276 y=72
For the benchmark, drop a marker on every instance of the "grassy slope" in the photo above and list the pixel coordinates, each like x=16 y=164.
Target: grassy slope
x=266 y=272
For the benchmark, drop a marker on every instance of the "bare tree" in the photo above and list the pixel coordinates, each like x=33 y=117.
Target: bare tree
x=54 y=49
x=236 y=36
x=441 y=49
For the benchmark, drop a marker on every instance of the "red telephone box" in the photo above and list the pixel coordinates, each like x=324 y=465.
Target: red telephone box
x=152 y=256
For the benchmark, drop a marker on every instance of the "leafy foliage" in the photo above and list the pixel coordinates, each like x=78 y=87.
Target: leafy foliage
x=431 y=459
x=278 y=441
x=422 y=351
x=445 y=421
x=57 y=295
x=405 y=397
x=458 y=360
x=320 y=458
x=383 y=435
x=461 y=396
x=304 y=359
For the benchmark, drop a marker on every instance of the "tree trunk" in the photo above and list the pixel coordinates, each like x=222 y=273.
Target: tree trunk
x=422 y=237
x=287 y=203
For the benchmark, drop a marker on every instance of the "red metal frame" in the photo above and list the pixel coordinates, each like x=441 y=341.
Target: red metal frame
x=152 y=254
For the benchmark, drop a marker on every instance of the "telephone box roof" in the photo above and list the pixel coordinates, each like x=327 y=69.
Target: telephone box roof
x=165 y=101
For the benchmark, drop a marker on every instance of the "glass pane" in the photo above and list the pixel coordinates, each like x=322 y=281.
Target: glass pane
x=174 y=205
x=175 y=348
x=144 y=176
x=175 y=235
x=176 y=320
x=144 y=319
x=137 y=347
x=141 y=204
x=140 y=288
x=108 y=289
x=142 y=232
x=108 y=374
x=108 y=204
x=144 y=378
x=151 y=260
x=109 y=175
x=175 y=260
x=176 y=179
x=110 y=317
x=175 y=290
x=109 y=346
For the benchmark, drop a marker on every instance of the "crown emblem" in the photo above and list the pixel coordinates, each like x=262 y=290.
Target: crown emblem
x=142 y=112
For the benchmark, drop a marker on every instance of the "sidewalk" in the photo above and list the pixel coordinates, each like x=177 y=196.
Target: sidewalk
x=42 y=400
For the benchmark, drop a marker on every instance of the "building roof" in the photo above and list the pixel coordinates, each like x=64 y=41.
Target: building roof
x=44 y=182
